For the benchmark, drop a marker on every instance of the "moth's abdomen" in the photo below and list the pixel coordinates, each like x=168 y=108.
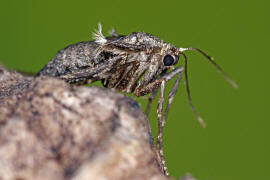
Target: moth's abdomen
x=72 y=58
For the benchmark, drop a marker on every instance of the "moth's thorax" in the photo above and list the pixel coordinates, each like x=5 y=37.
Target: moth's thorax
x=143 y=62
x=139 y=38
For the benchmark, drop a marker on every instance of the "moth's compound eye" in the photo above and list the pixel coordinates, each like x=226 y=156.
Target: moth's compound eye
x=168 y=60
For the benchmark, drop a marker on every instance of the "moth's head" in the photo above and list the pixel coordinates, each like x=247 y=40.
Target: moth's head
x=170 y=56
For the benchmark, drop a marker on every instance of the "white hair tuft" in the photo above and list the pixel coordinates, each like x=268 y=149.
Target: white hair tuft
x=98 y=36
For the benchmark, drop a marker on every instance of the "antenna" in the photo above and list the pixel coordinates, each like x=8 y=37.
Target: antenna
x=211 y=59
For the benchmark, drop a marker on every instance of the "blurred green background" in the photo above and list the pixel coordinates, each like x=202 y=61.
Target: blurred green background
x=235 y=144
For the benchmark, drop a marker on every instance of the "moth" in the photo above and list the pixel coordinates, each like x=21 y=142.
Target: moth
x=138 y=63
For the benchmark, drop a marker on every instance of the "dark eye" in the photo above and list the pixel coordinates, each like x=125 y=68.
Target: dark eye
x=168 y=60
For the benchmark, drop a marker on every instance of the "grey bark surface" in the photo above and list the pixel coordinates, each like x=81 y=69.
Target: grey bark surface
x=51 y=130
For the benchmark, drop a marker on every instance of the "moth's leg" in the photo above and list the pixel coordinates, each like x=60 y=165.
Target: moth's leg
x=150 y=101
x=151 y=98
x=146 y=89
x=130 y=69
x=161 y=121
x=172 y=95
x=161 y=124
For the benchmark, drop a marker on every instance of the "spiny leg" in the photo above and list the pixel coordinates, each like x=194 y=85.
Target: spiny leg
x=172 y=95
x=161 y=124
x=152 y=97
x=162 y=121
x=151 y=88
x=143 y=90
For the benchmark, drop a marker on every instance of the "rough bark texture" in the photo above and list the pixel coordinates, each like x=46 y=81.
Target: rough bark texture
x=51 y=130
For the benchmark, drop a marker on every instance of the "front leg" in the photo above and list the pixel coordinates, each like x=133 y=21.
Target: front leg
x=146 y=89
x=161 y=123
x=151 y=98
x=153 y=87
